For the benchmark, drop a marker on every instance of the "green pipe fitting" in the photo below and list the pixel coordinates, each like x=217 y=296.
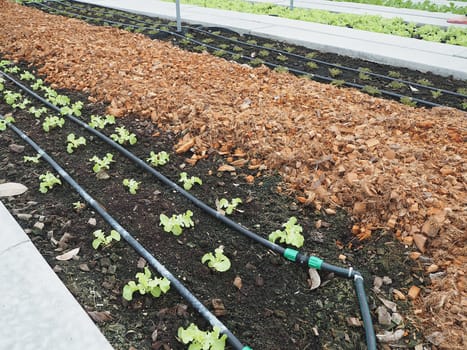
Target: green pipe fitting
x=314 y=262
x=290 y=254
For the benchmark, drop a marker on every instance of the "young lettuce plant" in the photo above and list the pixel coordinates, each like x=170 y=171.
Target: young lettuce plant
x=75 y=109
x=146 y=284
x=202 y=340
x=73 y=142
x=217 y=261
x=37 y=112
x=123 y=135
x=37 y=85
x=26 y=75
x=31 y=159
x=290 y=235
x=11 y=97
x=176 y=223
x=132 y=185
x=189 y=182
x=52 y=122
x=102 y=164
x=3 y=122
x=228 y=206
x=48 y=180
x=98 y=122
x=160 y=158
x=102 y=239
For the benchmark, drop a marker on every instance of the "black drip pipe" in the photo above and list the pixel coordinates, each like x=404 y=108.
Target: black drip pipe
x=138 y=247
x=295 y=256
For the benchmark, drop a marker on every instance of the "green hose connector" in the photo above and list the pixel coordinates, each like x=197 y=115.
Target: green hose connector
x=247 y=348
x=290 y=254
x=314 y=262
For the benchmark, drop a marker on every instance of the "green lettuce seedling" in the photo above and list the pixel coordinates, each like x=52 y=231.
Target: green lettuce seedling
x=3 y=122
x=217 y=261
x=37 y=111
x=189 y=182
x=102 y=239
x=75 y=109
x=73 y=142
x=11 y=97
x=202 y=340
x=176 y=223
x=2 y=86
x=160 y=158
x=5 y=63
x=34 y=159
x=100 y=122
x=48 y=180
x=102 y=164
x=52 y=122
x=229 y=207
x=78 y=206
x=14 y=69
x=132 y=185
x=290 y=235
x=146 y=284
x=37 y=85
x=123 y=135
x=27 y=76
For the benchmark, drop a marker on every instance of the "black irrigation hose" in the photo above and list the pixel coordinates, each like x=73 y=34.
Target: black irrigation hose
x=138 y=247
x=284 y=53
x=288 y=253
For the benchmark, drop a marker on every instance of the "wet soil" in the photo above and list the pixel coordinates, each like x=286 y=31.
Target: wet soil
x=274 y=309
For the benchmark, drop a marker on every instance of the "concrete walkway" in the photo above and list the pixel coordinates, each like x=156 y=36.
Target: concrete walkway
x=408 y=15
x=37 y=312
x=442 y=59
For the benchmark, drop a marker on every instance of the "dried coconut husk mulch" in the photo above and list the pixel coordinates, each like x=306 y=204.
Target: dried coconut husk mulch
x=392 y=167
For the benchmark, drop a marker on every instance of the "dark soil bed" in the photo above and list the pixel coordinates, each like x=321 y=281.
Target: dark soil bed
x=274 y=309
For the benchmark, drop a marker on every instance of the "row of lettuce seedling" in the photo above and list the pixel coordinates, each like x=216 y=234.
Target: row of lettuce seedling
x=291 y=233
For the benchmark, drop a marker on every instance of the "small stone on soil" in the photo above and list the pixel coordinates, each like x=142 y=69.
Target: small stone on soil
x=16 y=148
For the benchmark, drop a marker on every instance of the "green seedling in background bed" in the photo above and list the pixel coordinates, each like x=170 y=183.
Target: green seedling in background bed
x=229 y=207
x=202 y=340
x=22 y=104
x=48 y=180
x=102 y=239
x=263 y=53
x=281 y=69
x=146 y=284
x=2 y=86
x=337 y=82
x=424 y=82
x=462 y=91
x=176 y=223
x=396 y=85
x=123 y=135
x=73 y=142
x=312 y=65
x=34 y=160
x=75 y=109
x=3 y=122
x=100 y=122
x=335 y=72
x=61 y=100
x=436 y=93
x=102 y=164
x=37 y=85
x=160 y=158
x=27 y=76
x=290 y=235
x=217 y=261
x=394 y=74
x=78 y=206
x=371 y=90
x=237 y=48
x=236 y=57
x=189 y=182
x=408 y=101
x=282 y=58
x=50 y=93
x=310 y=55
x=132 y=185
x=464 y=105
x=37 y=112
x=363 y=73
x=256 y=62
x=52 y=123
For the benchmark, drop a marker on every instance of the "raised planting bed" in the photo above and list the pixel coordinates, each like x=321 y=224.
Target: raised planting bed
x=313 y=148
x=265 y=300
